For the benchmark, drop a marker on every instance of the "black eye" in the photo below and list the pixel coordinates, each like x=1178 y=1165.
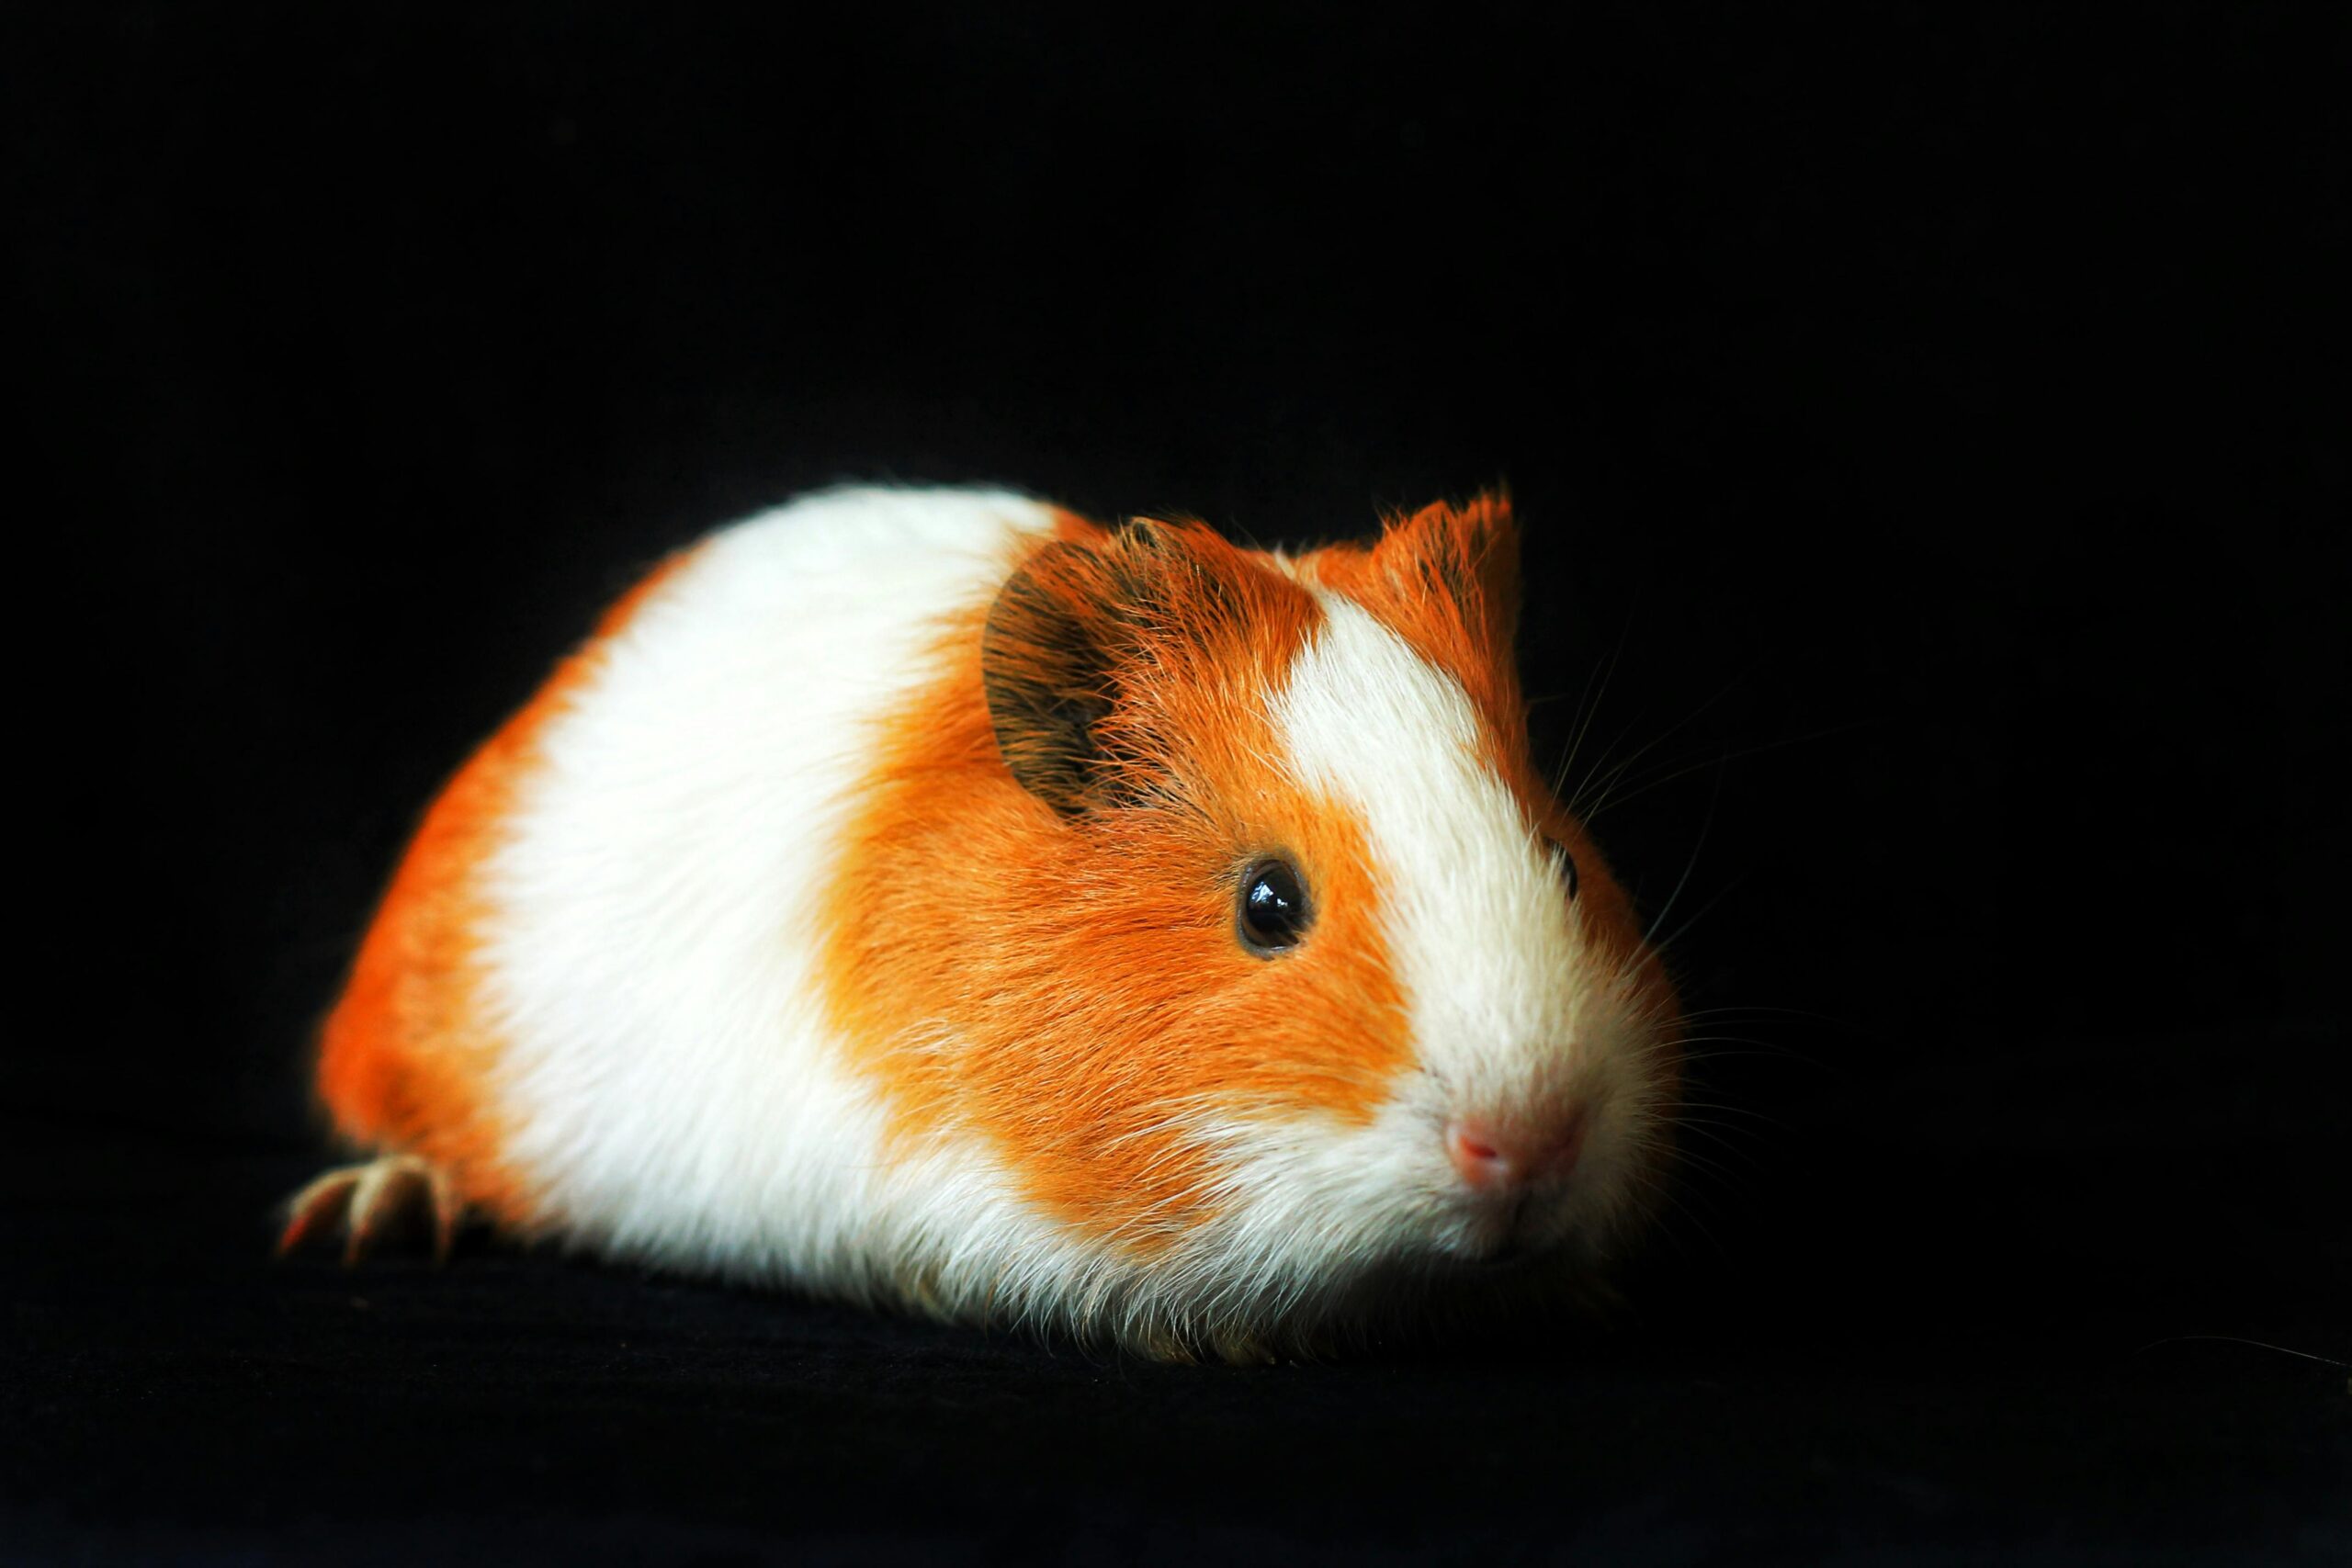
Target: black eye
x=1272 y=913
x=1567 y=863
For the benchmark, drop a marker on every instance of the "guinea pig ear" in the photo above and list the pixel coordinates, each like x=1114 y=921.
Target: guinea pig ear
x=1466 y=557
x=1081 y=636
x=1046 y=657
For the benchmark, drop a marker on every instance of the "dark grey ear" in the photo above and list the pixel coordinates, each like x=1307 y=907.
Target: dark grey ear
x=1070 y=628
x=1046 y=668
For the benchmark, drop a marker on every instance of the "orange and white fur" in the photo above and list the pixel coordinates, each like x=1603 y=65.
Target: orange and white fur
x=855 y=912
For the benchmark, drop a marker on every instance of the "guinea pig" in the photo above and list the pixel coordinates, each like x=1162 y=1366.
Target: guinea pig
x=933 y=899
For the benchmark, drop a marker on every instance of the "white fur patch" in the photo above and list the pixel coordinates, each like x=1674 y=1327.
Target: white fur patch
x=1511 y=1015
x=672 y=1090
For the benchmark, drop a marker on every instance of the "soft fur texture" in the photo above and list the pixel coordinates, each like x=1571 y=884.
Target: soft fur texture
x=856 y=911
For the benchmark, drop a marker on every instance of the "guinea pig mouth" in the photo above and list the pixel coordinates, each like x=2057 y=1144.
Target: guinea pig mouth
x=1508 y=1253
x=1501 y=1238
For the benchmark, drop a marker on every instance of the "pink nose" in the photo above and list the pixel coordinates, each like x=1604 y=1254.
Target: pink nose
x=1496 y=1156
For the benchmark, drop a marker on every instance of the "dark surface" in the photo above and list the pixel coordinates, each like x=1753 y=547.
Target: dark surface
x=1931 y=433
x=1995 y=1371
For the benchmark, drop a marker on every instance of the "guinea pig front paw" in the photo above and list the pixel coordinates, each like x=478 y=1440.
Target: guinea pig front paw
x=372 y=1201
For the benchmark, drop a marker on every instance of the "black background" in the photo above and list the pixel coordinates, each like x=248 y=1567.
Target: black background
x=1930 y=428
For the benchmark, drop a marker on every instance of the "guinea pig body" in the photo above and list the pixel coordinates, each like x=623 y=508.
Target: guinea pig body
x=928 y=898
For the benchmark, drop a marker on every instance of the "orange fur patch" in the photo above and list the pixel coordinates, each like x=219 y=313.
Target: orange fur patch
x=1071 y=988
x=407 y=1055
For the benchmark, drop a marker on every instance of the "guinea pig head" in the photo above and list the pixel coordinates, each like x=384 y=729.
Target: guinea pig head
x=1281 y=963
x=1545 y=1035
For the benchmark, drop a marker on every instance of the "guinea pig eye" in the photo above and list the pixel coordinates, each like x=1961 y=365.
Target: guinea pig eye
x=1273 y=914
x=1567 y=863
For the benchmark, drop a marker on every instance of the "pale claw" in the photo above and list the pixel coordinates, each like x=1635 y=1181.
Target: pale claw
x=369 y=1197
x=318 y=1206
